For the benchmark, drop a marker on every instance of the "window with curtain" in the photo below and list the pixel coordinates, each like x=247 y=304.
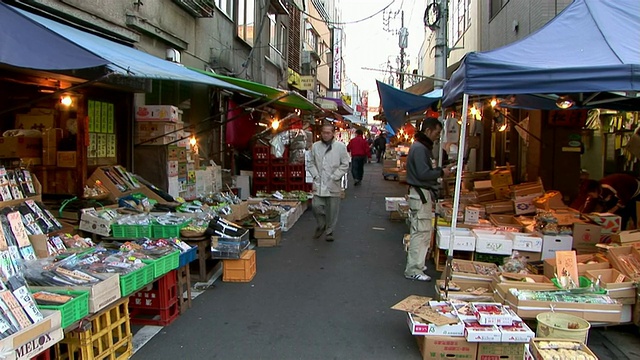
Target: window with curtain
x=246 y=20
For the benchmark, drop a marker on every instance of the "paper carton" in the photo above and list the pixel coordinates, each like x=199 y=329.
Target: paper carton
x=446 y=347
x=585 y=237
x=391 y=203
x=519 y=332
x=418 y=326
x=553 y=243
x=158 y=113
x=474 y=332
x=463 y=240
x=35 y=338
x=610 y=223
x=500 y=351
x=599 y=263
x=100 y=294
x=525 y=241
x=488 y=244
x=618 y=285
x=626 y=236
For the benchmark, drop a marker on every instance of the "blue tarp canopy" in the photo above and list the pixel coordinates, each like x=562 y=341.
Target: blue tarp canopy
x=128 y=61
x=26 y=44
x=591 y=50
x=397 y=103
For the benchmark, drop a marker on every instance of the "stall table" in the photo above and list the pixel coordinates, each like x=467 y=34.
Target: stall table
x=203 y=268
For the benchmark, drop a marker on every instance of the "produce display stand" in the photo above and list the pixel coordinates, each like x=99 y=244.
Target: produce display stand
x=205 y=266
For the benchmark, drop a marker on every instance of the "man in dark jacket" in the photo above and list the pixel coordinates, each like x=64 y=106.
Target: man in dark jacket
x=380 y=144
x=422 y=177
x=360 y=152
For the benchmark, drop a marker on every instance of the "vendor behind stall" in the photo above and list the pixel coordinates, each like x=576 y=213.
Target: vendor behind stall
x=617 y=193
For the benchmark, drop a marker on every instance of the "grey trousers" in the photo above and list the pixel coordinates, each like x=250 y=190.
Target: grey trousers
x=420 y=217
x=325 y=209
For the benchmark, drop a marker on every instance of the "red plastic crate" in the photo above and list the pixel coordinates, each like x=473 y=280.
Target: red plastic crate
x=162 y=294
x=279 y=174
x=299 y=187
x=45 y=355
x=280 y=161
x=261 y=154
x=260 y=187
x=158 y=317
x=297 y=173
x=260 y=173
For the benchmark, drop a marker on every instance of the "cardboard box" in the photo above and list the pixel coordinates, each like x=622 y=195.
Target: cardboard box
x=100 y=294
x=154 y=140
x=610 y=223
x=501 y=178
x=474 y=332
x=463 y=240
x=553 y=243
x=446 y=348
x=33 y=339
x=498 y=245
x=601 y=263
x=505 y=221
x=93 y=224
x=527 y=189
x=67 y=159
x=515 y=280
x=153 y=128
x=158 y=113
x=472 y=214
x=391 y=203
x=519 y=332
x=500 y=351
x=36 y=119
x=267 y=232
x=626 y=236
x=464 y=294
x=498 y=206
x=529 y=309
x=238 y=211
x=524 y=204
x=487 y=318
x=525 y=242
x=585 y=237
x=270 y=242
x=20 y=147
x=549 y=201
x=530 y=256
x=615 y=254
x=466 y=270
x=417 y=326
x=617 y=284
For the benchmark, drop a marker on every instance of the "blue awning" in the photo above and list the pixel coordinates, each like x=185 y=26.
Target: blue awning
x=128 y=61
x=26 y=44
x=397 y=103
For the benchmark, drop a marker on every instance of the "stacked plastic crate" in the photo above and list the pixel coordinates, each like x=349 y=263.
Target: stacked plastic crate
x=276 y=174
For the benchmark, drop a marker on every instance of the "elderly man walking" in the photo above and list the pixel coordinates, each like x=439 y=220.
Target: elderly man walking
x=328 y=163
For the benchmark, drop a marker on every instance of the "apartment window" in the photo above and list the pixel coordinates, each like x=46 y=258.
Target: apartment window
x=495 y=6
x=460 y=20
x=226 y=6
x=311 y=38
x=246 y=20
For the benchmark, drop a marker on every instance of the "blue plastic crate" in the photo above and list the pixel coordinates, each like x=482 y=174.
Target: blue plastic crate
x=188 y=256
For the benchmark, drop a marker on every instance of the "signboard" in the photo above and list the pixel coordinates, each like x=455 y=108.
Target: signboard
x=293 y=78
x=336 y=71
x=306 y=82
x=571 y=118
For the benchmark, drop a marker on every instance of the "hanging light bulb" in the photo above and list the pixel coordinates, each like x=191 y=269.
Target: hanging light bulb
x=474 y=111
x=494 y=102
x=66 y=100
x=564 y=102
x=193 y=141
x=275 y=124
x=503 y=127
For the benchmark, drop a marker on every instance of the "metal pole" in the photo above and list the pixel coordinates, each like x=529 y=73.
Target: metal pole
x=442 y=51
x=456 y=192
x=401 y=51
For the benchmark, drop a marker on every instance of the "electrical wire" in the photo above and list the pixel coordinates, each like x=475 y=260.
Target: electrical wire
x=349 y=22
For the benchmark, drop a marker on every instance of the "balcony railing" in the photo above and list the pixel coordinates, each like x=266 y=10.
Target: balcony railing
x=197 y=8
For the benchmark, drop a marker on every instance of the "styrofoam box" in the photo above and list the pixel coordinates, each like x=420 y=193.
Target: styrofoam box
x=553 y=243
x=491 y=244
x=464 y=239
x=525 y=242
x=391 y=203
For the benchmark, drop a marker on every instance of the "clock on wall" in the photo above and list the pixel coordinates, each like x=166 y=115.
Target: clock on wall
x=432 y=15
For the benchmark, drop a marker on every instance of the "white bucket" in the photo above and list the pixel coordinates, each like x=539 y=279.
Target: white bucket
x=556 y=325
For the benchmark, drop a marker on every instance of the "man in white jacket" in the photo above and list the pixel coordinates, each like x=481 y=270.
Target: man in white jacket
x=328 y=163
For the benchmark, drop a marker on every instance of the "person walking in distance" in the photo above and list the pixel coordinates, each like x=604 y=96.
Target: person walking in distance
x=380 y=145
x=328 y=163
x=360 y=152
x=422 y=177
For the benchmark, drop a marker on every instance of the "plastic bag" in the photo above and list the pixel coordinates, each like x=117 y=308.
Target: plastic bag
x=514 y=263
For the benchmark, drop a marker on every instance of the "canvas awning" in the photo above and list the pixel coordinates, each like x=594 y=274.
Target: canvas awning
x=589 y=49
x=127 y=61
x=337 y=105
x=397 y=104
x=290 y=99
x=26 y=44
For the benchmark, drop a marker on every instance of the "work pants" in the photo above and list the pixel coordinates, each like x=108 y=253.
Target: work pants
x=421 y=230
x=325 y=209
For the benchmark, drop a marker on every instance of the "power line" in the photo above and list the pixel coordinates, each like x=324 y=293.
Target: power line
x=349 y=22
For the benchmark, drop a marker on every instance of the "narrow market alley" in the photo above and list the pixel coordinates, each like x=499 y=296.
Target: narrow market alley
x=310 y=299
x=313 y=299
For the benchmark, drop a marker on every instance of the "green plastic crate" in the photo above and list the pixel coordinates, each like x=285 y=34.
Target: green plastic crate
x=164 y=264
x=130 y=231
x=73 y=310
x=136 y=280
x=167 y=231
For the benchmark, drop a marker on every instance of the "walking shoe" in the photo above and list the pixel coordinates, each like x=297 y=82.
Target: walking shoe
x=318 y=233
x=419 y=277
x=329 y=237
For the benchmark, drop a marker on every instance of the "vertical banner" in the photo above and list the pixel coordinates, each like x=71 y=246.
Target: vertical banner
x=336 y=69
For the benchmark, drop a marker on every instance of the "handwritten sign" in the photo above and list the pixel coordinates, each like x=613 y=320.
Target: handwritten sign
x=567 y=265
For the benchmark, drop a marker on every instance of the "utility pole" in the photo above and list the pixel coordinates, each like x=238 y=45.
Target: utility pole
x=442 y=51
x=402 y=42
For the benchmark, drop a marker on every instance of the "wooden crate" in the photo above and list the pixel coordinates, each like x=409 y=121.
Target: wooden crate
x=440 y=257
x=240 y=270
